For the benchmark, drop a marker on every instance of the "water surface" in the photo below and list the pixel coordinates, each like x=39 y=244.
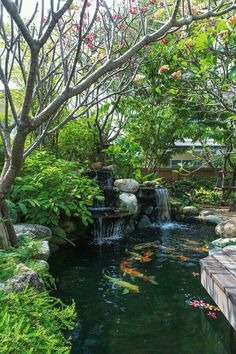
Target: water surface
x=156 y=320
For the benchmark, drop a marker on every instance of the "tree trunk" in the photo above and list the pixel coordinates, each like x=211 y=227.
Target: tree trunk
x=233 y=176
x=4 y=241
x=8 y=223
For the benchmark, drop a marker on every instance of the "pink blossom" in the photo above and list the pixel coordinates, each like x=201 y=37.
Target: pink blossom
x=152 y=2
x=90 y=44
x=144 y=9
x=132 y=10
x=89 y=38
x=212 y=314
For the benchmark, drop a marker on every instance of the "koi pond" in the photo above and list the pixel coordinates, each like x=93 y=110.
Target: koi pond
x=142 y=294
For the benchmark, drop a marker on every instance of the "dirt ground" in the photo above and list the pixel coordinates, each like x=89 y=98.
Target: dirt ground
x=223 y=212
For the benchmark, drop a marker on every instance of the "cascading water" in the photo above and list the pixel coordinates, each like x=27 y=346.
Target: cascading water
x=162 y=201
x=108 y=220
x=107 y=230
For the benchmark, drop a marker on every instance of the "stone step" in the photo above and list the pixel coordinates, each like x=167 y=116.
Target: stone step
x=218 y=276
x=231 y=252
x=226 y=261
x=222 y=276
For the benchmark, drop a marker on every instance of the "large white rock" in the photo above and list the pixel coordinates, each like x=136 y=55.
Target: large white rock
x=128 y=185
x=128 y=203
x=34 y=230
x=190 y=211
x=226 y=229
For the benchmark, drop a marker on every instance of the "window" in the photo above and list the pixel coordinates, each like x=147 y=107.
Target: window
x=186 y=163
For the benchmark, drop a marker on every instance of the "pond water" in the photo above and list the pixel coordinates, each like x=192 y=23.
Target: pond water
x=157 y=315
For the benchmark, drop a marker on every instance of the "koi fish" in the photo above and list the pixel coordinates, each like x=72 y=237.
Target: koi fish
x=148 y=253
x=168 y=248
x=183 y=258
x=123 y=284
x=143 y=246
x=139 y=257
x=201 y=249
x=124 y=263
x=134 y=273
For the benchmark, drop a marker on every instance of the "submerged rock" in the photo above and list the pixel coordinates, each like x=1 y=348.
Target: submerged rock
x=26 y=277
x=33 y=230
x=128 y=203
x=190 y=211
x=226 y=229
x=144 y=222
x=128 y=185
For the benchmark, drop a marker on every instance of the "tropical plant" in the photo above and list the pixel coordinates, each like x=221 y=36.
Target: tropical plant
x=49 y=188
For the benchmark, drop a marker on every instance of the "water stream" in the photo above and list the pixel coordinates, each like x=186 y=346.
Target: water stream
x=159 y=319
x=162 y=200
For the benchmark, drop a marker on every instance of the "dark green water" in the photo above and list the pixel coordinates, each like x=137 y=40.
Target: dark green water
x=158 y=319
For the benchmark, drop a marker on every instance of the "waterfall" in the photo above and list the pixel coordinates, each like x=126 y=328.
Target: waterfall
x=107 y=230
x=162 y=200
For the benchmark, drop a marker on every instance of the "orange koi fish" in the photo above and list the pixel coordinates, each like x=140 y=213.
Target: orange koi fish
x=139 y=257
x=134 y=273
x=201 y=249
x=123 y=264
x=183 y=258
x=148 y=253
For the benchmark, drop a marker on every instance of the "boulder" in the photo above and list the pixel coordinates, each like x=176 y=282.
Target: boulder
x=26 y=277
x=40 y=264
x=206 y=213
x=128 y=185
x=43 y=252
x=211 y=219
x=33 y=230
x=127 y=202
x=151 y=184
x=144 y=222
x=190 y=211
x=226 y=229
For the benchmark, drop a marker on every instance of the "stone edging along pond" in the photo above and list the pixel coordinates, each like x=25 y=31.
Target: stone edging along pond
x=31 y=319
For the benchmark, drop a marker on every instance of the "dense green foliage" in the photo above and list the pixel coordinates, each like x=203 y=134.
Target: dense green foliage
x=49 y=187
x=78 y=141
x=31 y=322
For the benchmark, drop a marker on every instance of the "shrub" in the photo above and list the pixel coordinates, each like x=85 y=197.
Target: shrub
x=49 y=187
x=33 y=323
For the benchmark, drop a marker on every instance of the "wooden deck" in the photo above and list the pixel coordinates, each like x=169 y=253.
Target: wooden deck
x=218 y=276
